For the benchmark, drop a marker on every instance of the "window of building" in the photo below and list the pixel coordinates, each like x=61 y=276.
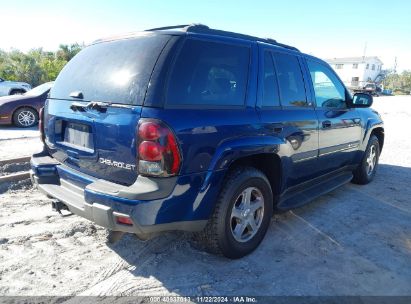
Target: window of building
x=355 y=81
x=270 y=88
x=209 y=73
x=339 y=66
x=290 y=80
x=373 y=67
x=355 y=66
x=367 y=66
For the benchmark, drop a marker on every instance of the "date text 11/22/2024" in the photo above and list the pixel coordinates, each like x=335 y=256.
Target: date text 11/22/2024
x=203 y=299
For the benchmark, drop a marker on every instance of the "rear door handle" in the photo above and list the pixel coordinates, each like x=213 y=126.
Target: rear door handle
x=326 y=124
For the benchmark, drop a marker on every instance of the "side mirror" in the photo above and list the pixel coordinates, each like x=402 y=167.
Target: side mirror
x=361 y=100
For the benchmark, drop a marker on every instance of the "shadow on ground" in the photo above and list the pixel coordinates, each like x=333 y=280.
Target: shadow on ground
x=355 y=240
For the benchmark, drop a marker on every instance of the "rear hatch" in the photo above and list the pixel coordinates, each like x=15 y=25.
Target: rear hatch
x=93 y=110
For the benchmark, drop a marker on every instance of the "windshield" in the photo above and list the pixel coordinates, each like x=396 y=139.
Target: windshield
x=114 y=71
x=39 y=90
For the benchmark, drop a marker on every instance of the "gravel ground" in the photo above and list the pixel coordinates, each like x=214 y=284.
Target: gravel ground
x=354 y=241
x=12 y=132
x=12 y=148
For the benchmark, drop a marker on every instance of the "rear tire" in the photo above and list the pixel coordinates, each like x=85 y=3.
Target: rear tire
x=242 y=215
x=25 y=117
x=366 y=171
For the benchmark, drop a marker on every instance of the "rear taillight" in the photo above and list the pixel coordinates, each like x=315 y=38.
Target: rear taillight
x=124 y=220
x=41 y=124
x=157 y=149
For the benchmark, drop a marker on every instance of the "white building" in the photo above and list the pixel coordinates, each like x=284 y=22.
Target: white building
x=357 y=71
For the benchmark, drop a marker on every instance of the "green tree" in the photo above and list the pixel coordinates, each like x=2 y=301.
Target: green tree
x=399 y=82
x=36 y=66
x=67 y=52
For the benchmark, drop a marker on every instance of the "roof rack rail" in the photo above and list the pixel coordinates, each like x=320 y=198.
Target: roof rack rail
x=273 y=41
x=201 y=28
x=185 y=27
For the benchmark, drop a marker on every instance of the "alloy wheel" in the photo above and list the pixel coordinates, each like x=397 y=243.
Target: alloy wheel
x=247 y=214
x=26 y=118
x=371 y=160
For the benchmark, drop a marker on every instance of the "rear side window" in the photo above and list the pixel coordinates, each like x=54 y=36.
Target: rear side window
x=115 y=71
x=209 y=73
x=290 y=80
x=270 y=91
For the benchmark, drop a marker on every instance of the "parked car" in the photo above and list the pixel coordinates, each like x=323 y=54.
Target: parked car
x=23 y=110
x=13 y=87
x=202 y=130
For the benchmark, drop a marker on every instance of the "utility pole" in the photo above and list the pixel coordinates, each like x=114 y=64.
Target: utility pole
x=396 y=80
x=395 y=65
x=365 y=51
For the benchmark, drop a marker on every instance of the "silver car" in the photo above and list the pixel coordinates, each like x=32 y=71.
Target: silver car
x=13 y=87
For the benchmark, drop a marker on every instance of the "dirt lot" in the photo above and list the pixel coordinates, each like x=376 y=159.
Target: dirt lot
x=16 y=142
x=354 y=241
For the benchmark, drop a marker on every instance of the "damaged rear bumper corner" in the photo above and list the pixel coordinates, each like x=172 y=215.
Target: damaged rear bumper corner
x=103 y=202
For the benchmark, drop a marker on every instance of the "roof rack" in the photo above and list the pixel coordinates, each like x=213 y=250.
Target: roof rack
x=201 y=28
x=184 y=27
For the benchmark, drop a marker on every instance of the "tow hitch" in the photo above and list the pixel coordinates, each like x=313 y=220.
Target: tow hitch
x=59 y=206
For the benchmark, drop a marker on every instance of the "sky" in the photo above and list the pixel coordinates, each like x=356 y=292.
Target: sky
x=326 y=29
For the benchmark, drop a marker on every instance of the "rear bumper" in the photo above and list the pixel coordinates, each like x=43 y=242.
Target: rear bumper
x=153 y=205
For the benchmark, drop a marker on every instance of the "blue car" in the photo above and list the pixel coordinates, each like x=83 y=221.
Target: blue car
x=202 y=130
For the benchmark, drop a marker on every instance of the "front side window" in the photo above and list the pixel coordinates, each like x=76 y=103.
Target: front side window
x=329 y=91
x=209 y=73
x=290 y=80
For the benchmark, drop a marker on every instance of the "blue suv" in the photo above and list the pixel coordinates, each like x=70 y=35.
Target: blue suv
x=202 y=130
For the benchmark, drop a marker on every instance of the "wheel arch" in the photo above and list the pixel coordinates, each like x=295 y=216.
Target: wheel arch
x=268 y=163
x=373 y=126
x=379 y=133
x=24 y=106
x=16 y=89
x=262 y=153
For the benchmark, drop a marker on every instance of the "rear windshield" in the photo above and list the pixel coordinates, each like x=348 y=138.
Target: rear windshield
x=115 y=71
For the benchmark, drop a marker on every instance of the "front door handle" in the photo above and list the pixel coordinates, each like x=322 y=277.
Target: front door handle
x=326 y=124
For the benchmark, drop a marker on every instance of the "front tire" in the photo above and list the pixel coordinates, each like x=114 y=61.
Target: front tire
x=241 y=216
x=25 y=117
x=366 y=171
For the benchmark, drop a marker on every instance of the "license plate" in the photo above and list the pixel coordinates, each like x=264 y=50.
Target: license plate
x=78 y=135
